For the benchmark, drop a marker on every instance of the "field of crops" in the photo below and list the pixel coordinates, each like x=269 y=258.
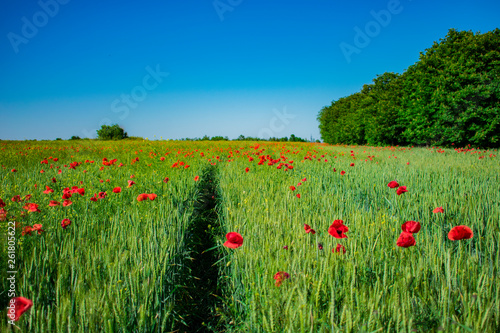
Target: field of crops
x=144 y=236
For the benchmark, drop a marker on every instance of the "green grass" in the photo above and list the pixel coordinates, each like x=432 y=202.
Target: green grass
x=124 y=265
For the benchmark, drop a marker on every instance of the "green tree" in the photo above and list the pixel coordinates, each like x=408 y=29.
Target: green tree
x=113 y=132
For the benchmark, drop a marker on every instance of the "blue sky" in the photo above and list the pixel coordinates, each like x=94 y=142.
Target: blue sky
x=176 y=69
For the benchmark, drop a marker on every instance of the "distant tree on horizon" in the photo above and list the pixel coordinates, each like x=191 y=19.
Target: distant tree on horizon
x=113 y=132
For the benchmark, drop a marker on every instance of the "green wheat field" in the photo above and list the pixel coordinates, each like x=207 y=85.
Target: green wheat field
x=129 y=262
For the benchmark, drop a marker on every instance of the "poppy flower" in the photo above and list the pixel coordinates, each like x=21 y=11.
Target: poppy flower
x=67 y=195
x=142 y=197
x=53 y=203
x=26 y=230
x=352 y=164
x=247 y=169
x=152 y=196
x=405 y=239
x=80 y=191
x=67 y=203
x=16 y=198
x=285 y=247
x=130 y=183
x=165 y=180
x=117 y=189
x=279 y=277
x=320 y=246
x=101 y=195
x=393 y=184
x=2 y=203
x=304 y=179
x=339 y=248
x=401 y=190
x=3 y=214
x=54 y=180
x=292 y=188
x=32 y=207
x=196 y=178
x=438 y=210
x=411 y=226
x=342 y=172
x=18 y=306
x=13 y=170
x=234 y=240
x=308 y=229
x=460 y=232
x=65 y=223
x=48 y=190
x=337 y=229
x=298 y=195
x=94 y=198
x=37 y=227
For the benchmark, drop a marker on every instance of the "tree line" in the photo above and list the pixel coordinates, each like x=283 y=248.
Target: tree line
x=451 y=95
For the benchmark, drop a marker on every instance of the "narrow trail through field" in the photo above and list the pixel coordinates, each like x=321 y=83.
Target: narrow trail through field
x=197 y=301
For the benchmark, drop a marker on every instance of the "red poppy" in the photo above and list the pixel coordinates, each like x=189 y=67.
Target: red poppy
x=13 y=170
x=81 y=191
x=27 y=197
x=337 y=229
x=411 y=226
x=27 y=230
x=18 y=306
x=94 y=198
x=320 y=246
x=101 y=195
x=54 y=180
x=401 y=190
x=142 y=197
x=16 y=198
x=460 y=232
x=65 y=223
x=130 y=183
x=438 y=210
x=53 y=203
x=308 y=229
x=37 y=227
x=2 y=204
x=234 y=240
x=3 y=214
x=152 y=196
x=196 y=178
x=247 y=169
x=32 y=207
x=339 y=248
x=304 y=179
x=393 y=184
x=67 y=203
x=117 y=190
x=342 y=172
x=279 y=277
x=165 y=180
x=67 y=195
x=406 y=239
x=48 y=190
x=285 y=247
x=298 y=195
x=292 y=188
x=352 y=164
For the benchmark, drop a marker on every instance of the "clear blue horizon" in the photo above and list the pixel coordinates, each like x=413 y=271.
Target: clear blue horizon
x=171 y=70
